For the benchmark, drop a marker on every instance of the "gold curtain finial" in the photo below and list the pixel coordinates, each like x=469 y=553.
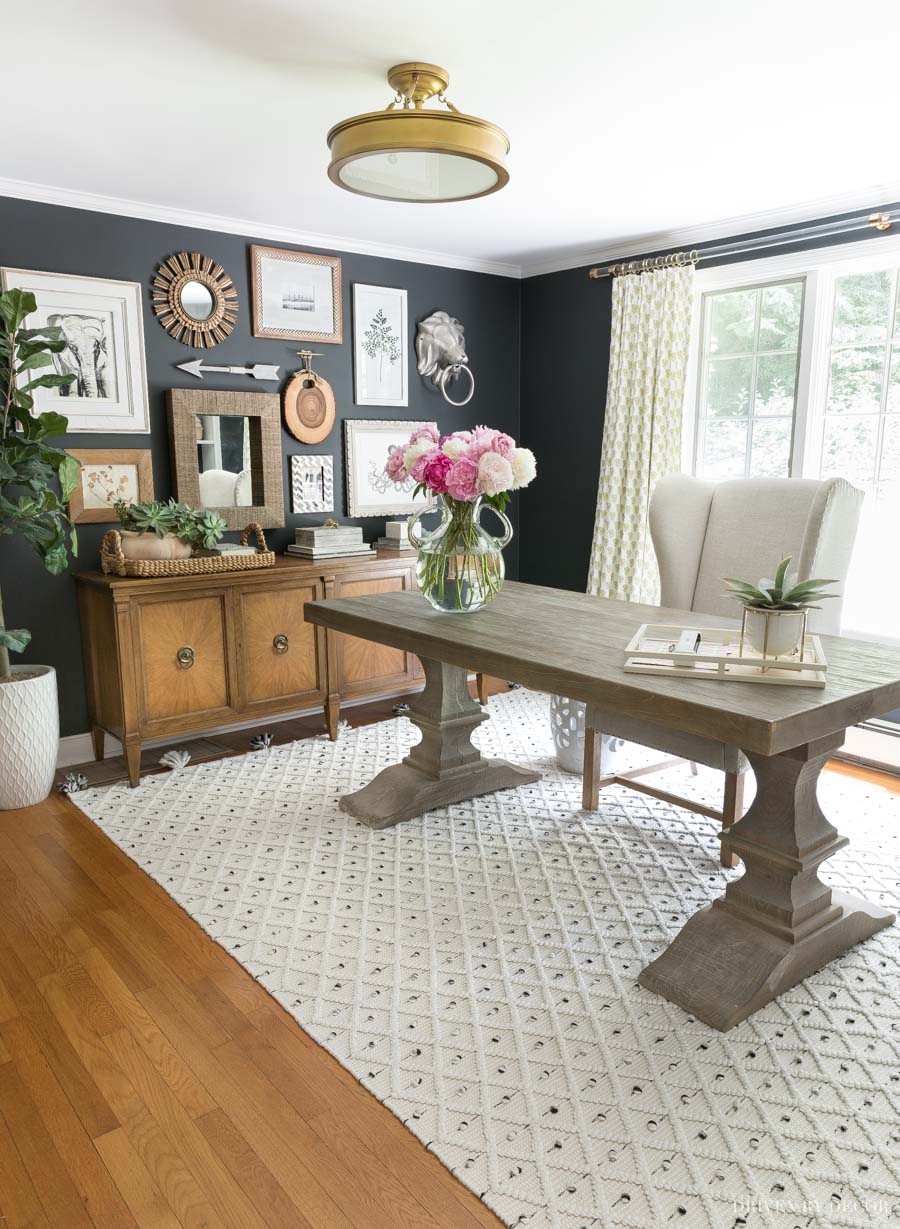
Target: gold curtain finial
x=881 y=221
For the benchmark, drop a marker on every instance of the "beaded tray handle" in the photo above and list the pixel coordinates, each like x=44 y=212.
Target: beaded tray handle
x=113 y=561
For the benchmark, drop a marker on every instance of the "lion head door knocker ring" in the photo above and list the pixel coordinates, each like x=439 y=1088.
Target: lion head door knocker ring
x=441 y=351
x=308 y=403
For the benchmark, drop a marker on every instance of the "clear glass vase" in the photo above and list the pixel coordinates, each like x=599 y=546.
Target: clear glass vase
x=460 y=566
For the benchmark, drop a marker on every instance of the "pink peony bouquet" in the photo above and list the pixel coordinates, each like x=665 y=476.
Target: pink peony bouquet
x=465 y=466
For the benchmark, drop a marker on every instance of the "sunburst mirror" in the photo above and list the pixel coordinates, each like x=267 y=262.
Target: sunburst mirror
x=194 y=299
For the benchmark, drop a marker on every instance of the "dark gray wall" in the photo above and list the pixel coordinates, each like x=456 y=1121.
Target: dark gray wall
x=60 y=240
x=565 y=364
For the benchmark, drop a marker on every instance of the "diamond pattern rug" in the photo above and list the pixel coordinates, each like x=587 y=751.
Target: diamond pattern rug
x=475 y=969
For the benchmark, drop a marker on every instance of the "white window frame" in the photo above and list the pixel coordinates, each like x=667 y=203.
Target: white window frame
x=818 y=267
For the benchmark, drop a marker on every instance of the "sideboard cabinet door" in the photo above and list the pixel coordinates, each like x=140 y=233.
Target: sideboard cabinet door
x=363 y=667
x=182 y=663
x=281 y=657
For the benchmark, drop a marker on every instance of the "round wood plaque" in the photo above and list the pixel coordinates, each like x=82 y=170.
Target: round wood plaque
x=308 y=407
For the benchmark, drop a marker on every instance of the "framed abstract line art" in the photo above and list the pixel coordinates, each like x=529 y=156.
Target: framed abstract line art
x=108 y=474
x=102 y=324
x=379 y=345
x=296 y=295
x=370 y=492
x=312 y=483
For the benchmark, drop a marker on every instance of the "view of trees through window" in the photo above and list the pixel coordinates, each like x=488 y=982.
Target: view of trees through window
x=751 y=342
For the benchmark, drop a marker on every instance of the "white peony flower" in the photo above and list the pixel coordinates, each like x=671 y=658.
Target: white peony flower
x=454 y=448
x=494 y=474
x=414 y=451
x=524 y=467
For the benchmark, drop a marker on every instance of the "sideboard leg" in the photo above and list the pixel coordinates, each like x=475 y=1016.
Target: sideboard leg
x=133 y=758
x=98 y=741
x=481 y=687
x=445 y=766
x=778 y=923
x=332 y=715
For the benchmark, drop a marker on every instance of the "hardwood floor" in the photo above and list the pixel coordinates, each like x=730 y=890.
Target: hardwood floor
x=147 y=1080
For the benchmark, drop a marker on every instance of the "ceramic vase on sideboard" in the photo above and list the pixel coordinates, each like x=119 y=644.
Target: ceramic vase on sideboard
x=29 y=736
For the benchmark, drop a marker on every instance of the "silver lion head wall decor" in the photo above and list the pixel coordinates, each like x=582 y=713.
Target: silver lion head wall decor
x=441 y=353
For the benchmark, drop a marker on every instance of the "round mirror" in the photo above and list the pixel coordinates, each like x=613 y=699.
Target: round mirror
x=197 y=301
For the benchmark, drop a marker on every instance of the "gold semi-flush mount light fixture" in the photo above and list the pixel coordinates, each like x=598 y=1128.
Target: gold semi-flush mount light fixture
x=410 y=153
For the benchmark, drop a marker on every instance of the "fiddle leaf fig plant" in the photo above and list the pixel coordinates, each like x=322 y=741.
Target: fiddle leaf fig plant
x=192 y=525
x=36 y=478
x=782 y=593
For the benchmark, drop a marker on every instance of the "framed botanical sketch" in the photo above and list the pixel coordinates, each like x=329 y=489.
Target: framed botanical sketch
x=108 y=474
x=102 y=324
x=312 y=484
x=379 y=345
x=296 y=295
x=370 y=492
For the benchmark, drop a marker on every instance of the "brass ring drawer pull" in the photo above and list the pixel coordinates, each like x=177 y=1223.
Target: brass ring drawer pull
x=185 y=657
x=280 y=644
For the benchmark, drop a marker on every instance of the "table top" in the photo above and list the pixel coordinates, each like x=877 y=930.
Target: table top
x=571 y=644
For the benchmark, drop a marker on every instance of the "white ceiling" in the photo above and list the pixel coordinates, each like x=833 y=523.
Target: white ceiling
x=627 y=120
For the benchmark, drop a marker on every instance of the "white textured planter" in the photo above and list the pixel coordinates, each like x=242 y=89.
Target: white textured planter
x=784 y=628
x=149 y=546
x=567 y=724
x=29 y=736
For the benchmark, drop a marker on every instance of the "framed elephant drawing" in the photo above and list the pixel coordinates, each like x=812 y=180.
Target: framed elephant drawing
x=101 y=322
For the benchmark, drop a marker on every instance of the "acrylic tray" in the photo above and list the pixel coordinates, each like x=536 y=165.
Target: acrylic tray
x=652 y=650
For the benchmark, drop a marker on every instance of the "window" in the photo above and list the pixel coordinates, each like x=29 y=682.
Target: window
x=748 y=386
x=795 y=371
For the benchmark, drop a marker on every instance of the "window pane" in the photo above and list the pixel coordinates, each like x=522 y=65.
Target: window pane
x=890 y=449
x=893 y=391
x=724 y=449
x=856 y=376
x=776 y=376
x=848 y=449
x=862 y=302
x=779 y=317
x=770 y=455
x=732 y=318
x=728 y=387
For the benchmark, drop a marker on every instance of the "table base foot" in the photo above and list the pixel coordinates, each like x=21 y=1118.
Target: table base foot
x=721 y=968
x=402 y=791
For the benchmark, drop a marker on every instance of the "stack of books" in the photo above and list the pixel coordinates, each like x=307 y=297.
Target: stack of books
x=327 y=542
x=226 y=548
x=394 y=537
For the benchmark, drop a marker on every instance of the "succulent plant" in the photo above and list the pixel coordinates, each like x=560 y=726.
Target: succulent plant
x=192 y=525
x=782 y=593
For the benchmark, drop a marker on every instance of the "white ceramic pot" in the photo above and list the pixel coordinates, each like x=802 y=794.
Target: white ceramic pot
x=784 y=628
x=29 y=736
x=149 y=546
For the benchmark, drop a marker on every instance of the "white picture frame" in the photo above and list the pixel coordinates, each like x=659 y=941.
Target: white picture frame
x=380 y=345
x=369 y=490
x=312 y=483
x=105 y=323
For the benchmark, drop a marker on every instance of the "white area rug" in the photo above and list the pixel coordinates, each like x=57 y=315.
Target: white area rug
x=475 y=969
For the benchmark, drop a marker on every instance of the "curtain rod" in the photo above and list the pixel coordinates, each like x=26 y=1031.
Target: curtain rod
x=876 y=221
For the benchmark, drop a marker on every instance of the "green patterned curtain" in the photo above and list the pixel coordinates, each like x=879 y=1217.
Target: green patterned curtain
x=642 y=428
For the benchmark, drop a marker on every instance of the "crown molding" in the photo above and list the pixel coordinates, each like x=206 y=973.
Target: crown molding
x=872 y=198
x=95 y=202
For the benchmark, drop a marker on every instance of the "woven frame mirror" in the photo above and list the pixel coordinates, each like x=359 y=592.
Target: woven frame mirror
x=194 y=299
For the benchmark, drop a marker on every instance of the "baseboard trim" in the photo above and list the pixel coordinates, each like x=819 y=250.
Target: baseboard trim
x=78 y=748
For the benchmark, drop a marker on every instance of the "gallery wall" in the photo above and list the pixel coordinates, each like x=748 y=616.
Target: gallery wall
x=566 y=319
x=78 y=242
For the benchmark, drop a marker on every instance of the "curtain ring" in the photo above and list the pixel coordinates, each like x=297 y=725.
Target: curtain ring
x=456 y=369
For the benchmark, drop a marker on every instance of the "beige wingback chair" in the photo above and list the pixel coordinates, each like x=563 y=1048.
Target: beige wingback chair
x=703 y=531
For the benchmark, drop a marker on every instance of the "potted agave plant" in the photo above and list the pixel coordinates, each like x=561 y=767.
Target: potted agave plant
x=36 y=480
x=775 y=611
x=168 y=530
x=460 y=565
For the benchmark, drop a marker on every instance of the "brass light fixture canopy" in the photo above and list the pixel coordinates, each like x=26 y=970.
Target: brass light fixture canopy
x=408 y=153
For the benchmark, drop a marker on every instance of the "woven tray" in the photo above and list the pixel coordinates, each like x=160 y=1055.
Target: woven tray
x=113 y=561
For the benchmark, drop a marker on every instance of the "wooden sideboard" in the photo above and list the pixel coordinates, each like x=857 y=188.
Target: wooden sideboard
x=186 y=655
